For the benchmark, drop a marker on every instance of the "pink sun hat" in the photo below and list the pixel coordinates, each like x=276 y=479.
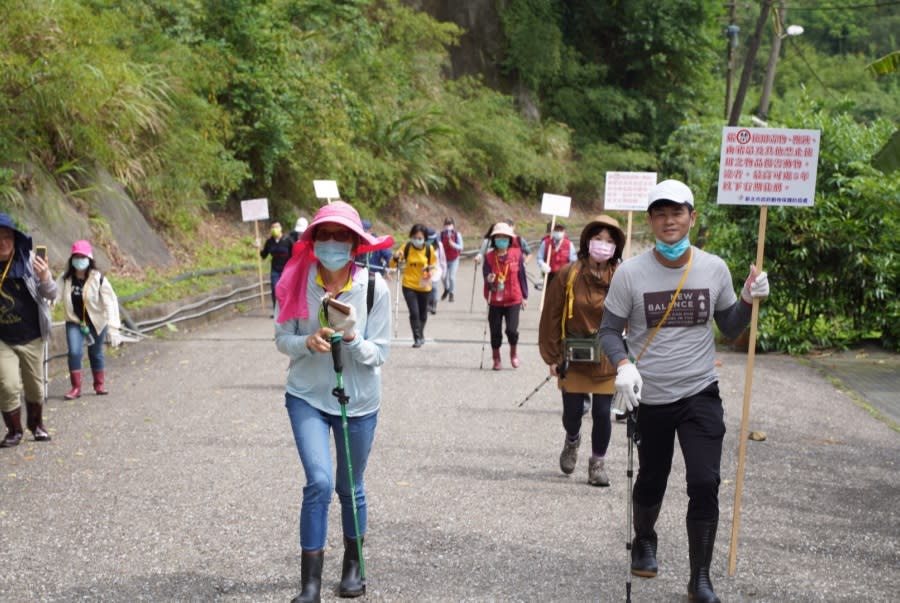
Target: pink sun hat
x=291 y=289
x=340 y=212
x=82 y=248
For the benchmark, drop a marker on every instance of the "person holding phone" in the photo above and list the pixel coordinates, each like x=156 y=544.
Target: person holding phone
x=322 y=268
x=26 y=289
x=92 y=313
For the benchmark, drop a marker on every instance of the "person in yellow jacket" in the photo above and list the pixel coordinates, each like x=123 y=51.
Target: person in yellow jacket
x=418 y=260
x=92 y=312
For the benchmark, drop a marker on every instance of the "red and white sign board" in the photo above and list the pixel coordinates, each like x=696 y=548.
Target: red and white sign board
x=627 y=191
x=768 y=166
x=254 y=209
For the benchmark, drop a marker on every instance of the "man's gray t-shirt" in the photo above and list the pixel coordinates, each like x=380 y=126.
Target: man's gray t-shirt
x=680 y=360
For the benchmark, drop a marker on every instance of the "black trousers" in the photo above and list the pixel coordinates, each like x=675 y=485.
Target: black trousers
x=417 y=302
x=573 y=410
x=699 y=422
x=496 y=314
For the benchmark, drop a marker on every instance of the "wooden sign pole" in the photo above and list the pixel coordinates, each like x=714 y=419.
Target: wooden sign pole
x=745 y=415
x=626 y=253
x=547 y=252
x=262 y=292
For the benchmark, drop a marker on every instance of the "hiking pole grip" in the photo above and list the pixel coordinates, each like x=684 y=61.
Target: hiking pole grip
x=336 y=353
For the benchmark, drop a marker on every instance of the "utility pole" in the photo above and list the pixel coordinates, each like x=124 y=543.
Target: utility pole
x=731 y=32
x=735 y=115
x=763 y=112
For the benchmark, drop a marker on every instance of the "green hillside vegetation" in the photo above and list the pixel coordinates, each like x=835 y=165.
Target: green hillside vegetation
x=196 y=104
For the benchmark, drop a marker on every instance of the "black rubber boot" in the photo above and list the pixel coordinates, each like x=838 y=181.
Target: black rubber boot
x=643 y=547
x=701 y=540
x=36 y=422
x=416 y=328
x=352 y=583
x=310 y=578
x=13 y=421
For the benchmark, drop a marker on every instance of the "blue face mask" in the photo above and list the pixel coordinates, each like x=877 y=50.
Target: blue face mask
x=332 y=254
x=80 y=263
x=501 y=243
x=418 y=243
x=675 y=250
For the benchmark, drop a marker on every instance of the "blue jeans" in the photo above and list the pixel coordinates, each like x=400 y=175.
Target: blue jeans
x=273 y=280
x=75 y=340
x=311 y=427
x=449 y=277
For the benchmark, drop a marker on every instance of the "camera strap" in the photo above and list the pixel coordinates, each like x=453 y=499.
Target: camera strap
x=569 y=303
x=659 y=325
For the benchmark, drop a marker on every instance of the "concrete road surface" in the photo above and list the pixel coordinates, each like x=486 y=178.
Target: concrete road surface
x=184 y=483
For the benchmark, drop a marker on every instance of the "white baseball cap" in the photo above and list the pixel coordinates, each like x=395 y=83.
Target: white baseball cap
x=671 y=190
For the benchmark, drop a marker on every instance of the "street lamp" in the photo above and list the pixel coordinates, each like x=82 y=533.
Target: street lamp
x=792 y=30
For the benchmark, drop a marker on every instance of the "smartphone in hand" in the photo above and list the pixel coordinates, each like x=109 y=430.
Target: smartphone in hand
x=41 y=251
x=339 y=306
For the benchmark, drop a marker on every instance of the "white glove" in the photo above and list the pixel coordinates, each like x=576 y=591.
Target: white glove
x=115 y=338
x=478 y=258
x=341 y=322
x=544 y=266
x=628 y=385
x=756 y=285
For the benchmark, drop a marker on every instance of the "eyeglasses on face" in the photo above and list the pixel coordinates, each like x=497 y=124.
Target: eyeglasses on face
x=341 y=235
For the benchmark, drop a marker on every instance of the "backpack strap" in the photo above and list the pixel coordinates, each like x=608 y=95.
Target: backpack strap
x=370 y=292
x=427 y=252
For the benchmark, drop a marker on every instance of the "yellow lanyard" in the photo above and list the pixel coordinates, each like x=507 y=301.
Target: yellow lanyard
x=502 y=277
x=5 y=270
x=569 y=304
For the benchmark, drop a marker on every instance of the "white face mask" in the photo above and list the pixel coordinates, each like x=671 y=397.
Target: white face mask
x=557 y=236
x=80 y=263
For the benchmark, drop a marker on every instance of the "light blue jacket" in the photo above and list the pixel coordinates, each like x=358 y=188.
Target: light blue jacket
x=311 y=375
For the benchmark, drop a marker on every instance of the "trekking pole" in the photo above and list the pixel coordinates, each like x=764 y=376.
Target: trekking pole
x=474 y=278
x=535 y=390
x=560 y=370
x=634 y=438
x=46 y=369
x=342 y=397
x=397 y=297
x=484 y=336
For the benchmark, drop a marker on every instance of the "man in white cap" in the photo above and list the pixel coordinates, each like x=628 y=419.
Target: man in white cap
x=668 y=297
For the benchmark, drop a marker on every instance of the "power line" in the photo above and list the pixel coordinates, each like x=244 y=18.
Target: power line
x=851 y=7
x=811 y=70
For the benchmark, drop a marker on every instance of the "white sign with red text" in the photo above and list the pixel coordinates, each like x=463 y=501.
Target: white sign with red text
x=627 y=191
x=768 y=166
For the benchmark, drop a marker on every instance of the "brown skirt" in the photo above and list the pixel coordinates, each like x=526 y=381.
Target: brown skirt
x=579 y=381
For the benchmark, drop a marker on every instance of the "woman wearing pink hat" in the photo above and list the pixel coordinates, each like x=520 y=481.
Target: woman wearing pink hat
x=321 y=267
x=92 y=312
x=505 y=289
